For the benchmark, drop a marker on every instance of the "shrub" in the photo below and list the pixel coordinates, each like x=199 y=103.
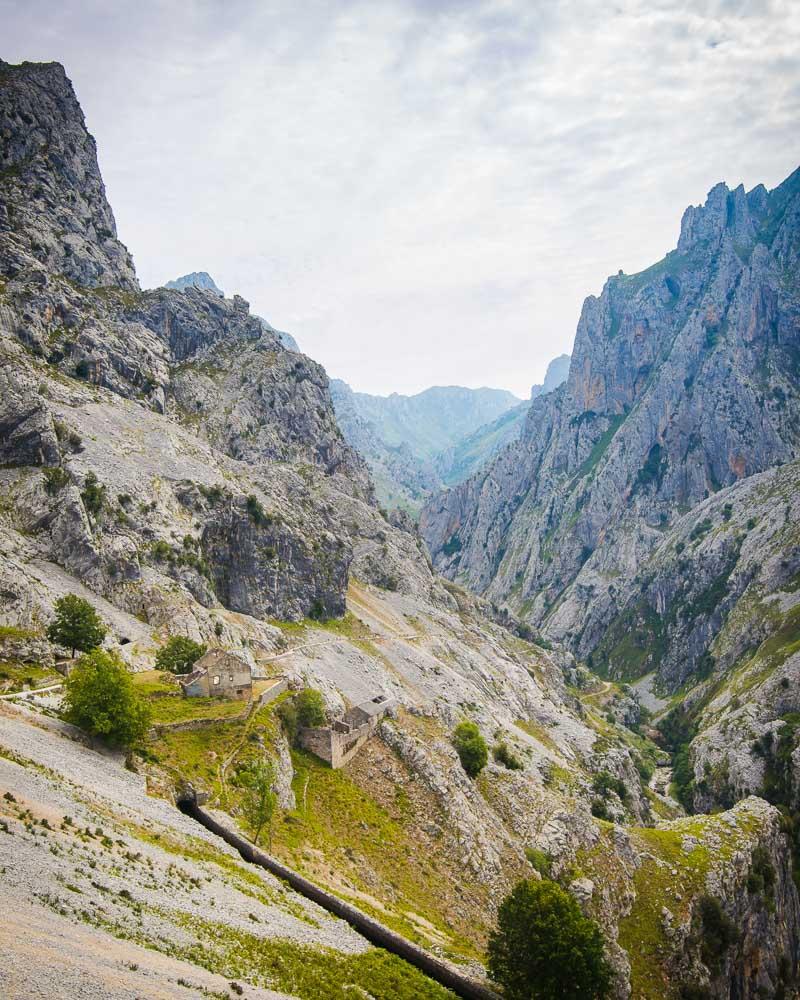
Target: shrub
x=504 y=755
x=545 y=947
x=257 y=513
x=304 y=710
x=100 y=698
x=540 y=860
x=470 y=747
x=717 y=932
x=310 y=707
x=604 y=782
x=93 y=494
x=76 y=624
x=761 y=879
x=179 y=654
x=82 y=369
x=55 y=479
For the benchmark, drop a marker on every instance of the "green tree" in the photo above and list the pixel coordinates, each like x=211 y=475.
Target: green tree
x=310 y=708
x=179 y=654
x=306 y=709
x=76 y=625
x=470 y=747
x=545 y=948
x=100 y=698
x=259 y=801
x=93 y=494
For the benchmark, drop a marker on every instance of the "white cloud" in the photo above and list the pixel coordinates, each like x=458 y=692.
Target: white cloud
x=421 y=192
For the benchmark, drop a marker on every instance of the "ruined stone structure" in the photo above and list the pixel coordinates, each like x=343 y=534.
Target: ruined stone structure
x=340 y=742
x=219 y=674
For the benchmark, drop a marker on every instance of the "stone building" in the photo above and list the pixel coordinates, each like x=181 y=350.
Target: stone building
x=340 y=742
x=219 y=674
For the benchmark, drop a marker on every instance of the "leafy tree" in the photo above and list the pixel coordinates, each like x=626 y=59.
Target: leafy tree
x=306 y=709
x=470 y=747
x=545 y=948
x=76 y=625
x=179 y=654
x=100 y=698
x=259 y=801
x=310 y=708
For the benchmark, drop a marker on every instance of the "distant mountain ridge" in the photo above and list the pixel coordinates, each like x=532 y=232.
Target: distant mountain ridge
x=416 y=444
x=204 y=281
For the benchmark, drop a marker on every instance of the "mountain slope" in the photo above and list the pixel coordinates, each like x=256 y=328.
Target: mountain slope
x=163 y=455
x=474 y=450
x=684 y=380
x=204 y=281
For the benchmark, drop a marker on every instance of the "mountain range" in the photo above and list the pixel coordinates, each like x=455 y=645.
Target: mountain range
x=414 y=445
x=612 y=603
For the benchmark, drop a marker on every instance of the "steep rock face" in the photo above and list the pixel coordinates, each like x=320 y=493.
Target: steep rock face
x=53 y=210
x=204 y=281
x=684 y=379
x=102 y=380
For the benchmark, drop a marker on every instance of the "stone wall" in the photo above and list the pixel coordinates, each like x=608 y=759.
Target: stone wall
x=337 y=744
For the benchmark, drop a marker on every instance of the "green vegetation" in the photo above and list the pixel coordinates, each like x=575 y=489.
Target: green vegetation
x=452 y=545
x=544 y=947
x=504 y=755
x=716 y=932
x=101 y=699
x=470 y=747
x=256 y=512
x=176 y=708
x=259 y=802
x=93 y=495
x=302 y=971
x=540 y=860
x=677 y=731
x=76 y=624
x=588 y=466
x=19 y=676
x=179 y=654
x=304 y=710
x=633 y=645
x=653 y=469
x=55 y=479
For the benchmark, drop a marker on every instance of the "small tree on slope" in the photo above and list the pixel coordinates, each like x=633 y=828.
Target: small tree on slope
x=259 y=801
x=101 y=699
x=545 y=948
x=179 y=654
x=76 y=625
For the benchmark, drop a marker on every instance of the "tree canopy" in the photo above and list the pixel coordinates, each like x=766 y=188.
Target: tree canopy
x=76 y=625
x=259 y=801
x=101 y=699
x=470 y=747
x=179 y=654
x=306 y=709
x=545 y=948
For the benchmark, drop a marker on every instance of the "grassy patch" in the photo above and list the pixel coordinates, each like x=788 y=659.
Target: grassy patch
x=19 y=676
x=304 y=972
x=539 y=732
x=374 y=847
x=176 y=708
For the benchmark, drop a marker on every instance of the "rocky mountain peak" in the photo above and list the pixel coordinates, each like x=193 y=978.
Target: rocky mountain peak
x=53 y=205
x=197 y=279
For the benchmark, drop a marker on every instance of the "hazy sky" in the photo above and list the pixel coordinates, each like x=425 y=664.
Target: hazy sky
x=421 y=192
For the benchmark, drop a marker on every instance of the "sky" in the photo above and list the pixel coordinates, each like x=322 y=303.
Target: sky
x=422 y=192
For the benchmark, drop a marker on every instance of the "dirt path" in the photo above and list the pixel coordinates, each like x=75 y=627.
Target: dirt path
x=32 y=691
